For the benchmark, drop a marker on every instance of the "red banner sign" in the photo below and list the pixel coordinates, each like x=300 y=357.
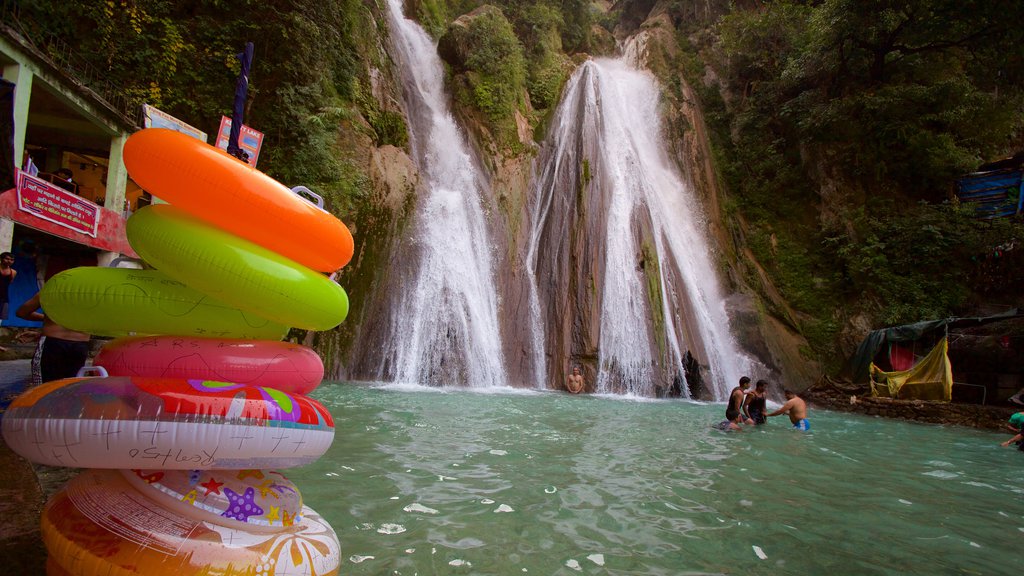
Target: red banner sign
x=49 y=202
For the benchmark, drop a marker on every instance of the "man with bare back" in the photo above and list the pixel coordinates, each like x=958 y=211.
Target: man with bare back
x=796 y=408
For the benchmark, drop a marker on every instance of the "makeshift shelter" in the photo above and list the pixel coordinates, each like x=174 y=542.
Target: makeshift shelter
x=929 y=379
x=858 y=367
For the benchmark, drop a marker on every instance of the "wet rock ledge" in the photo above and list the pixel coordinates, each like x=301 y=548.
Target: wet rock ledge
x=846 y=397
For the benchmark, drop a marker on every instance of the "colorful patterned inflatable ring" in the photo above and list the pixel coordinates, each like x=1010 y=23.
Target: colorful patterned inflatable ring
x=285 y=366
x=99 y=525
x=254 y=500
x=120 y=302
x=234 y=270
x=165 y=423
x=229 y=194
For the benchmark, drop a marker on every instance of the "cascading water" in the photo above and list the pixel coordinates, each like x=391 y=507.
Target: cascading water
x=443 y=328
x=614 y=222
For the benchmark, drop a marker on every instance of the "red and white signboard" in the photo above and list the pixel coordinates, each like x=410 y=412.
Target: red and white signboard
x=52 y=203
x=248 y=139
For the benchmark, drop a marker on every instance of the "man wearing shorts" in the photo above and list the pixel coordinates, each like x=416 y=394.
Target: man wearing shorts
x=796 y=408
x=60 y=353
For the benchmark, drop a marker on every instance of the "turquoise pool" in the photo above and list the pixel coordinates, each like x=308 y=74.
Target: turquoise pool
x=430 y=482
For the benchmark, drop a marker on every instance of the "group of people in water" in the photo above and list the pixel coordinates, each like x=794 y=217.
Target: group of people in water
x=746 y=407
x=749 y=407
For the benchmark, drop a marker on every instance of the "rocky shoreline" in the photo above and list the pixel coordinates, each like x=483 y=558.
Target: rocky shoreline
x=846 y=397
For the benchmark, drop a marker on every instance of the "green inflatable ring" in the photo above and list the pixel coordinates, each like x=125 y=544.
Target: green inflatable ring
x=119 y=302
x=235 y=270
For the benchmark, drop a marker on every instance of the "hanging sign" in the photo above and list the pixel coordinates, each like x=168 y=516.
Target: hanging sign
x=249 y=140
x=154 y=118
x=44 y=200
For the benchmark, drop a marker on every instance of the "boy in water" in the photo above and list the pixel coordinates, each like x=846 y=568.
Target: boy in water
x=733 y=412
x=797 y=410
x=754 y=404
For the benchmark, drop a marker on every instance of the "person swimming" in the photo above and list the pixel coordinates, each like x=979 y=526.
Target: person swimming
x=796 y=408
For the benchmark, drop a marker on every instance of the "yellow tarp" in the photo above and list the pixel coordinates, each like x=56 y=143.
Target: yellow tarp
x=929 y=379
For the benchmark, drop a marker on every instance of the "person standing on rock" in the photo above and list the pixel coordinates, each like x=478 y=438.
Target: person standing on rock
x=575 y=382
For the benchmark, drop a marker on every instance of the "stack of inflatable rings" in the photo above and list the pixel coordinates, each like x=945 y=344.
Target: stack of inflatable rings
x=182 y=435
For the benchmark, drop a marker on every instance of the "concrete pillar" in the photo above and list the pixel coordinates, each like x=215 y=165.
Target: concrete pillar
x=117 y=176
x=6 y=235
x=22 y=78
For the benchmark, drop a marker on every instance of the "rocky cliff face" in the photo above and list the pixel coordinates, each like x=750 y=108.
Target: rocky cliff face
x=564 y=256
x=762 y=320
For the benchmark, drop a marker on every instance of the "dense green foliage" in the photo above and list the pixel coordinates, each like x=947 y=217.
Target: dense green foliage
x=496 y=69
x=843 y=126
x=838 y=125
x=515 y=59
x=180 y=57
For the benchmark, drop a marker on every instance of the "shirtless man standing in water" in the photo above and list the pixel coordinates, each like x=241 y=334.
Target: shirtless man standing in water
x=733 y=412
x=575 y=383
x=797 y=410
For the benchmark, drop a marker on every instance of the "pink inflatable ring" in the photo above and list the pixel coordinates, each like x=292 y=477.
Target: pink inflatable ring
x=285 y=366
x=165 y=423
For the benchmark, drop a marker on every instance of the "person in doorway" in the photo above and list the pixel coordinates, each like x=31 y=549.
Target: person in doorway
x=733 y=412
x=61 y=352
x=7 y=274
x=796 y=408
x=755 y=403
x=575 y=382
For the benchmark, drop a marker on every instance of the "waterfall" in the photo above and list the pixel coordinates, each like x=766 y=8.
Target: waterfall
x=443 y=327
x=616 y=224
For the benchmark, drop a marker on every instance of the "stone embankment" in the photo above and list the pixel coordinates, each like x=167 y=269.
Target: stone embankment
x=850 y=398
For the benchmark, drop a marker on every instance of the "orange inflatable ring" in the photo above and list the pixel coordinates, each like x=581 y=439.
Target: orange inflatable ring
x=99 y=525
x=229 y=194
x=288 y=367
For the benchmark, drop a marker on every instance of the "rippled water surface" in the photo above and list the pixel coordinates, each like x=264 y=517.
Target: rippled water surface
x=429 y=482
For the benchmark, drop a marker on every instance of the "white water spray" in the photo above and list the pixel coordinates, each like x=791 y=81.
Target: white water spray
x=444 y=329
x=619 y=106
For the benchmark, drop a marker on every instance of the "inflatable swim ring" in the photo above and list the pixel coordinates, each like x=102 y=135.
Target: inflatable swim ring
x=165 y=423
x=120 y=302
x=234 y=270
x=254 y=500
x=99 y=525
x=285 y=366
x=229 y=194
